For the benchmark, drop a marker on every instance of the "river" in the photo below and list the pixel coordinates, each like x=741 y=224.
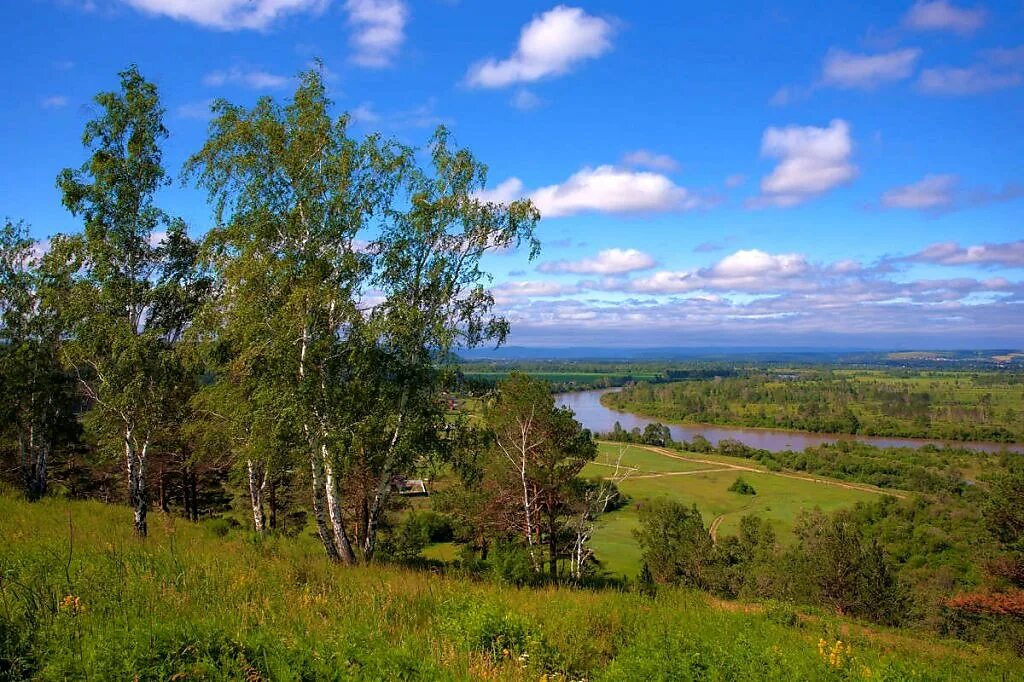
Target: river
x=600 y=419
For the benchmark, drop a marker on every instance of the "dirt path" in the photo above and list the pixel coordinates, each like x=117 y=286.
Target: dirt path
x=713 y=528
x=726 y=466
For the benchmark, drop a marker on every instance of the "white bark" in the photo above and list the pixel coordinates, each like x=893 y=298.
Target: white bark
x=257 y=484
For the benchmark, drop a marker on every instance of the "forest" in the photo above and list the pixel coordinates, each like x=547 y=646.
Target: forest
x=967 y=406
x=283 y=394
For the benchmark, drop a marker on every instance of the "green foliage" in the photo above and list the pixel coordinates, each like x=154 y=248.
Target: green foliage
x=676 y=547
x=942 y=405
x=742 y=487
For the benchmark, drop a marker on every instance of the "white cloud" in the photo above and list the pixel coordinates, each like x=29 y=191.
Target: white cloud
x=933 y=192
x=940 y=15
x=505 y=192
x=255 y=79
x=757 y=263
x=529 y=289
x=971 y=80
x=849 y=70
x=607 y=262
x=608 y=189
x=812 y=161
x=550 y=45
x=735 y=180
x=603 y=189
x=228 y=15
x=642 y=158
x=1010 y=254
x=378 y=30
x=746 y=270
x=54 y=102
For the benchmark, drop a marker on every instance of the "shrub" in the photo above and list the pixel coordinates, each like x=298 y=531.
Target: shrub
x=742 y=487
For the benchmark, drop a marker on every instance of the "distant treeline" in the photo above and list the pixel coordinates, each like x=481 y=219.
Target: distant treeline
x=947 y=406
x=564 y=377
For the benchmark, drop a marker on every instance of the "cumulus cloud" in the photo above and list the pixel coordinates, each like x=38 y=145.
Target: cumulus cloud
x=812 y=161
x=607 y=262
x=608 y=189
x=642 y=158
x=746 y=270
x=603 y=189
x=255 y=79
x=378 y=30
x=933 y=192
x=756 y=263
x=227 y=15
x=866 y=71
x=1009 y=254
x=552 y=44
x=941 y=15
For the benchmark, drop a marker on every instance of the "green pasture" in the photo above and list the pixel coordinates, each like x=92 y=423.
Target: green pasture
x=779 y=499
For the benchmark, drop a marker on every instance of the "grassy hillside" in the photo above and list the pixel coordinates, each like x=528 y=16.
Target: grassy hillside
x=81 y=598
x=704 y=480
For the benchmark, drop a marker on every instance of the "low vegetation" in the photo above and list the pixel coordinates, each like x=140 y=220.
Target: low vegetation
x=207 y=605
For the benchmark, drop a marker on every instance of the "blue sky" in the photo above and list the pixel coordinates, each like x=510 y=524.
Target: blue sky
x=769 y=174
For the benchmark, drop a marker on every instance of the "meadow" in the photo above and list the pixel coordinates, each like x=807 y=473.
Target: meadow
x=704 y=480
x=82 y=598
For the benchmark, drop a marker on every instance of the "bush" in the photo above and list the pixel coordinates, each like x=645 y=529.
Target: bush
x=742 y=487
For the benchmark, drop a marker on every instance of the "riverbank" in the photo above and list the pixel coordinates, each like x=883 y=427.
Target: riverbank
x=600 y=418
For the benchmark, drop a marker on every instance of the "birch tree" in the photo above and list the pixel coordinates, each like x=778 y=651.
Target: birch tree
x=544 y=448
x=39 y=404
x=291 y=191
x=124 y=272
x=429 y=272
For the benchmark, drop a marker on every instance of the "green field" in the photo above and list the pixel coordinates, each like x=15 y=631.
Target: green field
x=779 y=498
x=81 y=598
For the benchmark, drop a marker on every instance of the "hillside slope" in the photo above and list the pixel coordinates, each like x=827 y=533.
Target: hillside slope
x=81 y=598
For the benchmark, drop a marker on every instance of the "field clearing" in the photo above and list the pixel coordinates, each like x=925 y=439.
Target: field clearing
x=780 y=497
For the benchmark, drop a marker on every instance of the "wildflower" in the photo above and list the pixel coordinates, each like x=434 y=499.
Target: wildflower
x=72 y=605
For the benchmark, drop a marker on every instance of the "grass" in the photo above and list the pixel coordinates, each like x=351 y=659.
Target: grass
x=779 y=499
x=80 y=598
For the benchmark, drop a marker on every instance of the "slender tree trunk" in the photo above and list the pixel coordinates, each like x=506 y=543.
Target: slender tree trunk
x=316 y=466
x=136 y=460
x=257 y=483
x=332 y=491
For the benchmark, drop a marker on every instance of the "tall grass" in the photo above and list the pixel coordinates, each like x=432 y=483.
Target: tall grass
x=80 y=598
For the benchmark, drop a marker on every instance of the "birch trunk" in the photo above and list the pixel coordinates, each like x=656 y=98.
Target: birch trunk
x=257 y=483
x=333 y=494
x=316 y=466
